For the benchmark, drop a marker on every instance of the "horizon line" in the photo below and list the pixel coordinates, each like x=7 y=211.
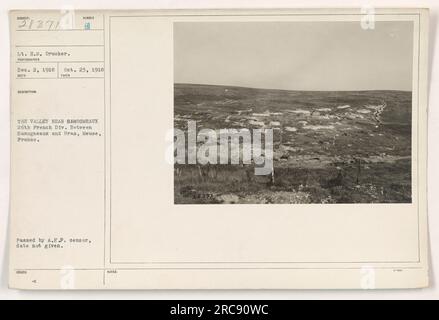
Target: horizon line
x=295 y=90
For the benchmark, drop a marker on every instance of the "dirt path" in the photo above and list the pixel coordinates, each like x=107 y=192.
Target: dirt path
x=379 y=111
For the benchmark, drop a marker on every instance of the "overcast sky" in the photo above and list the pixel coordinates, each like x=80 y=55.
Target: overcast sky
x=295 y=55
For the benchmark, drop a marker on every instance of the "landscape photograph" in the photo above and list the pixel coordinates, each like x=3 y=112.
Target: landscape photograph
x=337 y=97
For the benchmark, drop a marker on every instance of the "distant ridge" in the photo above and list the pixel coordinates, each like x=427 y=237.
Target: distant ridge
x=284 y=90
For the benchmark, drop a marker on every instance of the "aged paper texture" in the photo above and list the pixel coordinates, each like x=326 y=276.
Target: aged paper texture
x=219 y=149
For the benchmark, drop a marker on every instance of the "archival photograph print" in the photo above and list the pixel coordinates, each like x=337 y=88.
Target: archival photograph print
x=293 y=112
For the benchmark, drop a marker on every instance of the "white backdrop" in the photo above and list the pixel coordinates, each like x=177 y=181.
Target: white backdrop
x=433 y=174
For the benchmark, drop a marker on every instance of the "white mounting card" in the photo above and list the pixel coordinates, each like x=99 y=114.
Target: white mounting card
x=219 y=149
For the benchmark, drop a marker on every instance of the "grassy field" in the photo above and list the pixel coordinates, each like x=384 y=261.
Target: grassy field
x=330 y=147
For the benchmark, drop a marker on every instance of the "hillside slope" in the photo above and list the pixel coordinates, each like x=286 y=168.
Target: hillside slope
x=337 y=142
